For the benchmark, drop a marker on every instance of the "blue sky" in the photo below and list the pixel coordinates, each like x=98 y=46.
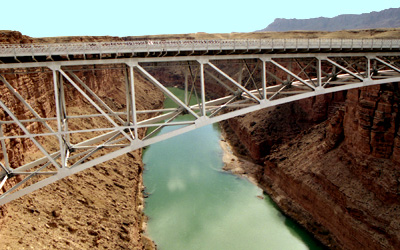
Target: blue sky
x=43 y=18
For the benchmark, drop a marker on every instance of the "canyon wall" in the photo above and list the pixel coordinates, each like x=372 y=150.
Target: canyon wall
x=100 y=207
x=332 y=163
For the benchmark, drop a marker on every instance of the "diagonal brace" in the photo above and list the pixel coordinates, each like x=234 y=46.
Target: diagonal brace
x=14 y=92
x=387 y=64
x=3 y=181
x=292 y=74
x=26 y=131
x=219 y=81
x=166 y=91
x=344 y=69
x=234 y=82
x=94 y=104
x=94 y=95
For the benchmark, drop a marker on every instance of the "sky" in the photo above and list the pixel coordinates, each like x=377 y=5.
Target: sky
x=49 y=18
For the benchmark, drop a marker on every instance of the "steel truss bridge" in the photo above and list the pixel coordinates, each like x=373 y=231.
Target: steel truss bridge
x=221 y=79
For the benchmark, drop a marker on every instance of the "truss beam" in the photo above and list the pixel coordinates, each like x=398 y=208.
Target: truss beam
x=274 y=80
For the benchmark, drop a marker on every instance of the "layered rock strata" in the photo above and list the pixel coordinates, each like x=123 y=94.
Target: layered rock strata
x=100 y=207
x=340 y=177
x=331 y=162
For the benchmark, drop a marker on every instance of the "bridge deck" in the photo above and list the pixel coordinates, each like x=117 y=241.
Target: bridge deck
x=12 y=53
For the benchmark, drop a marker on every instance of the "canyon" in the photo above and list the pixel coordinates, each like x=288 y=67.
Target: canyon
x=330 y=162
x=97 y=208
x=339 y=178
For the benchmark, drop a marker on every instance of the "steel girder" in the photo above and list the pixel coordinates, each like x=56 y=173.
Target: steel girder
x=183 y=48
x=216 y=88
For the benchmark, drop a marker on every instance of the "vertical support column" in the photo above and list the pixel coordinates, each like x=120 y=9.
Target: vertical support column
x=186 y=88
x=368 y=70
x=374 y=67
x=264 y=79
x=128 y=96
x=63 y=106
x=289 y=77
x=240 y=77
x=333 y=70
x=203 y=90
x=133 y=101
x=319 y=70
x=4 y=148
x=57 y=92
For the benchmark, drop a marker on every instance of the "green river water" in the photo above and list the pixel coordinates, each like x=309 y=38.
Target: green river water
x=193 y=204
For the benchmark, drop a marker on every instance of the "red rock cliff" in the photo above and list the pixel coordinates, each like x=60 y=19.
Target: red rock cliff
x=98 y=208
x=339 y=177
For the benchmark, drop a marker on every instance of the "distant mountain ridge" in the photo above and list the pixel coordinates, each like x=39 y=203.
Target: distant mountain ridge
x=389 y=18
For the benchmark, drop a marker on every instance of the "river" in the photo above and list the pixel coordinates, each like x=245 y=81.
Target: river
x=193 y=204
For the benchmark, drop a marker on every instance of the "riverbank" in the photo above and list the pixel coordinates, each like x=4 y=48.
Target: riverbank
x=236 y=164
x=85 y=221
x=337 y=178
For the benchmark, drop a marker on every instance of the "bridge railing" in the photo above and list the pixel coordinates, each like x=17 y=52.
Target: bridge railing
x=196 y=45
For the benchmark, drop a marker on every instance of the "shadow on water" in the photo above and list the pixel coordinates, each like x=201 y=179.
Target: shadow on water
x=295 y=228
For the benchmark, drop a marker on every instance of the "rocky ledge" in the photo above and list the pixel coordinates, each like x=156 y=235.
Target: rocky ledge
x=338 y=177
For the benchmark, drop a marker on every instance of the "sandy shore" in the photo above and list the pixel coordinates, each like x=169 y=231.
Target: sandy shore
x=237 y=165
